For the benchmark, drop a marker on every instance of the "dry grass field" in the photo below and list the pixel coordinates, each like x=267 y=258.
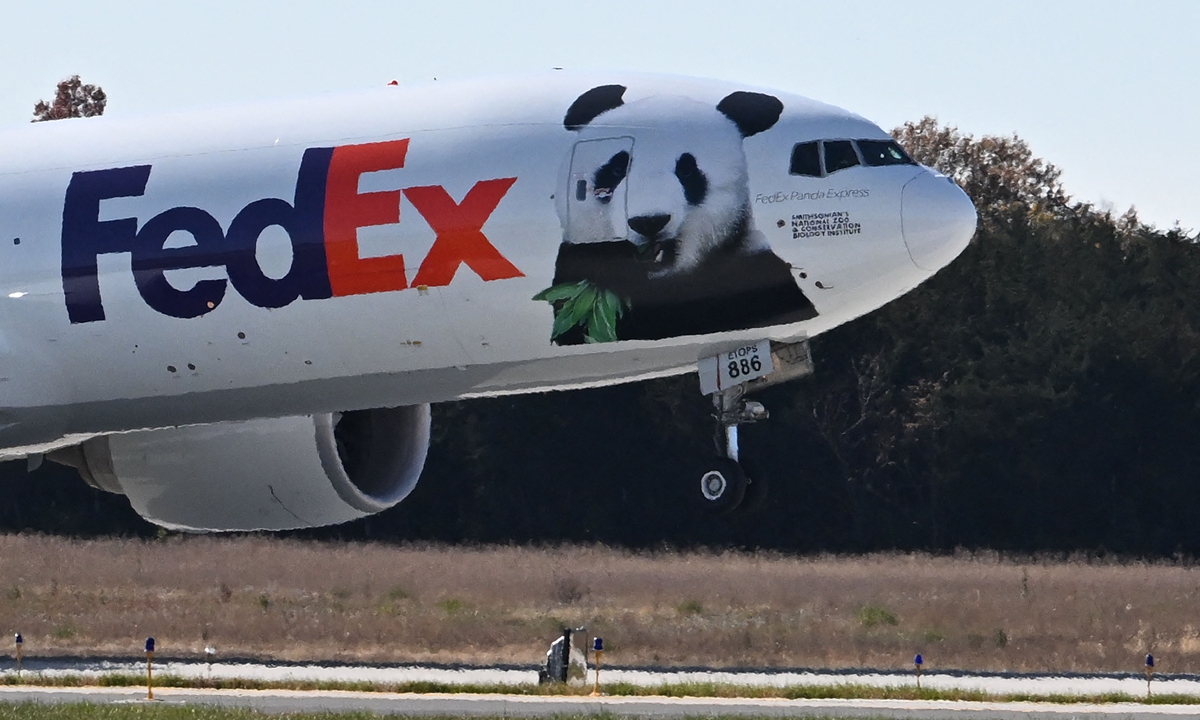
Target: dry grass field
x=291 y=600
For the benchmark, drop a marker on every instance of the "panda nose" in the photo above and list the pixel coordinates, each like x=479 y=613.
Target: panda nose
x=649 y=225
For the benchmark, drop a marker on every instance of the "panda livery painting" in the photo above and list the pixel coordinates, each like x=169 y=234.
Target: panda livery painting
x=658 y=237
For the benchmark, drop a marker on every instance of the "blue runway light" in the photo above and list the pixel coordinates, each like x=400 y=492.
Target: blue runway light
x=19 y=639
x=1149 y=660
x=149 y=644
x=598 y=644
x=918 y=660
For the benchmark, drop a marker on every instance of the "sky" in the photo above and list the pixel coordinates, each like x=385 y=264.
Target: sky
x=1108 y=91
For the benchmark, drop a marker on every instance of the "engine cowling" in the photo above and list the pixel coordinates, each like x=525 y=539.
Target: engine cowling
x=266 y=474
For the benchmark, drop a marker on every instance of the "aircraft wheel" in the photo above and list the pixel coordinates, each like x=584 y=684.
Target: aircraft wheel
x=723 y=485
x=756 y=491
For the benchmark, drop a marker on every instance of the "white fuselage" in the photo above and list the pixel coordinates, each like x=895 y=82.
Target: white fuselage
x=432 y=213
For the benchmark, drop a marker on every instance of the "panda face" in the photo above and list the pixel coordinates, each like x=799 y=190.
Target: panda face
x=654 y=201
x=682 y=186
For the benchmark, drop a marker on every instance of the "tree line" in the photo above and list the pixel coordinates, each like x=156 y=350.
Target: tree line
x=1042 y=393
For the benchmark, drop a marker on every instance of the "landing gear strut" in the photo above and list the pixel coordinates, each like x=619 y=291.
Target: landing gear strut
x=724 y=484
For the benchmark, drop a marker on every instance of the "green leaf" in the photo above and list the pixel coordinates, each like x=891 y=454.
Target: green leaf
x=562 y=291
x=582 y=303
x=581 y=306
x=613 y=305
x=562 y=322
x=602 y=324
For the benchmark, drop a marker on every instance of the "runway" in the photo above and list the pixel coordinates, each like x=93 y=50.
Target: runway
x=1091 y=684
x=279 y=701
x=465 y=704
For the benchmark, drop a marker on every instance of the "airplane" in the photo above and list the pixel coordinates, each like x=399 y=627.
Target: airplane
x=239 y=317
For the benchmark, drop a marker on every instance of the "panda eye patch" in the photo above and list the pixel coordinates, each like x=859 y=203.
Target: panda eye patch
x=609 y=176
x=693 y=180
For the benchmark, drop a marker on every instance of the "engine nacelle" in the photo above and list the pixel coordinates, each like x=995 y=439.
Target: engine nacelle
x=267 y=474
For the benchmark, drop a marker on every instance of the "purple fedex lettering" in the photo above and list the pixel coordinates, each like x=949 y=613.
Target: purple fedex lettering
x=150 y=260
x=85 y=237
x=304 y=222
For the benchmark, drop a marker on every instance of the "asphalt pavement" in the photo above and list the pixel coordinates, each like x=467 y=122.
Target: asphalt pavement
x=468 y=705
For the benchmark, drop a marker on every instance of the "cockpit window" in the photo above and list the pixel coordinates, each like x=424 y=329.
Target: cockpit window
x=839 y=155
x=806 y=160
x=883 y=152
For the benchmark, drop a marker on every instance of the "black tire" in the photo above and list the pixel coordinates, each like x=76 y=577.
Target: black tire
x=722 y=485
x=757 y=488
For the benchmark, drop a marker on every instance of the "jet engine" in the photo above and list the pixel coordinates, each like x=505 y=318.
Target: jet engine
x=265 y=474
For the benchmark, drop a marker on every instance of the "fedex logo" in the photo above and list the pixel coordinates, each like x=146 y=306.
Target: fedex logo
x=322 y=222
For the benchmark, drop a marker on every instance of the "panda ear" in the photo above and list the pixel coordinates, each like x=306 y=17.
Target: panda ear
x=592 y=103
x=751 y=112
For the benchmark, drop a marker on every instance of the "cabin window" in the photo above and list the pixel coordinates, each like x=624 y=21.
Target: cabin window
x=806 y=160
x=839 y=155
x=883 y=152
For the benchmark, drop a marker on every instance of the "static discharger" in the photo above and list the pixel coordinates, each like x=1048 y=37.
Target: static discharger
x=918 y=661
x=598 y=646
x=20 y=641
x=149 y=668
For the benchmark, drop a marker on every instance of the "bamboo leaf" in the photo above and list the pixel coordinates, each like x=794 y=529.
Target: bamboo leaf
x=619 y=304
x=562 y=291
x=613 y=305
x=581 y=306
x=562 y=321
x=602 y=324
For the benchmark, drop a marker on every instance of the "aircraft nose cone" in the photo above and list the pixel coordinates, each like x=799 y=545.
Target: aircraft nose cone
x=938 y=220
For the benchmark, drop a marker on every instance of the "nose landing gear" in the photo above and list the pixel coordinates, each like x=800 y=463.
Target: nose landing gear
x=724 y=483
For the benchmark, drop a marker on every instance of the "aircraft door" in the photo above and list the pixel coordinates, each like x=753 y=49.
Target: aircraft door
x=597 y=206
